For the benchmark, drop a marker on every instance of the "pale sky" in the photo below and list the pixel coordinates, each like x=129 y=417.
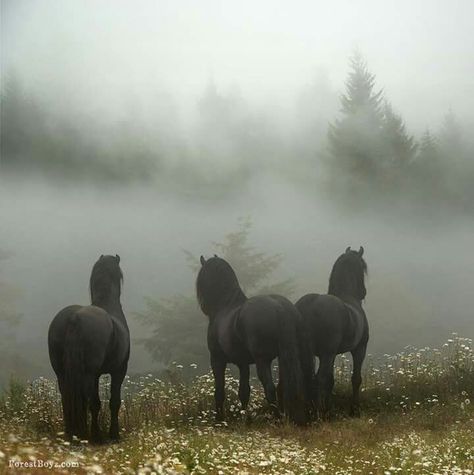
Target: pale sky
x=422 y=51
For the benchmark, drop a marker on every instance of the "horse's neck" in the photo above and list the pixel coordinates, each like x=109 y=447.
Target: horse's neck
x=350 y=299
x=236 y=298
x=111 y=304
x=345 y=291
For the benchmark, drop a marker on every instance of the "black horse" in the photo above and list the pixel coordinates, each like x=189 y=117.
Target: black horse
x=85 y=342
x=337 y=324
x=256 y=330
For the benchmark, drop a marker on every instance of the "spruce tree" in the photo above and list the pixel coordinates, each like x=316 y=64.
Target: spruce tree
x=400 y=146
x=355 y=140
x=429 y=150
x=457 y=161
x=452 y=142
x=428 y=172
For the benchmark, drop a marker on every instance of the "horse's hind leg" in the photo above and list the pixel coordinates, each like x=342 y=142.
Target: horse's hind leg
x=264 y=373
x=279 y=389
x=358 y=356
x=244 y=386
x=115 y=401
x=218 y=366
x=325 y=383
x=94 y=407
x=65 y=405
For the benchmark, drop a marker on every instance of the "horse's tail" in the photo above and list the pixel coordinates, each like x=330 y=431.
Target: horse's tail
x=75 y=400
x=292 y=377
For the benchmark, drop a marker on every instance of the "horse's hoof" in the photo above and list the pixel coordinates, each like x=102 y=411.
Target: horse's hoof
x=324 y=415
x=114 y=437
x=96 y=439
x=354 y=412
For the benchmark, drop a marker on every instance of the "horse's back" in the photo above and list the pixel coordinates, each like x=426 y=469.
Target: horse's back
x=261 y=319
x=252 y=330
x=260 y=315
x=335 y=326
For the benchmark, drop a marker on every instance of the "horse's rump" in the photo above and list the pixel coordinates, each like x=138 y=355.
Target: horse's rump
x=325 y=317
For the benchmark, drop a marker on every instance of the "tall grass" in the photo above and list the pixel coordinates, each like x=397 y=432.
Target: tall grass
x=169 y=423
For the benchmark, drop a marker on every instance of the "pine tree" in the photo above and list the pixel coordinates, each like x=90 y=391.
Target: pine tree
x=428 y=150
x=355 y=140
x=360 y=98
x=178 y=327
x=452 y=142
x=400 y=146
x=451 y=133
x=457 y=161
x=428 y=173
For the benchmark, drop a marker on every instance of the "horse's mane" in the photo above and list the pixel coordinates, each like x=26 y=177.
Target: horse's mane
x=347 y=276
x=217 y=286
x=106 y=274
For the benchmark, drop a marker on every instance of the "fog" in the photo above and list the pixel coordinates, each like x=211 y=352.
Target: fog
x=420 y=272
x=152 y=127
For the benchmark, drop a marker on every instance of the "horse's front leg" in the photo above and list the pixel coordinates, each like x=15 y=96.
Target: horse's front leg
x=115 y=401
x=218 y=366
x=358 y=356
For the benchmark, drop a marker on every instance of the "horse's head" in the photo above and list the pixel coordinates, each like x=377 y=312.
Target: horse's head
x=347 y=275
x=106 y=278
x=216 y=280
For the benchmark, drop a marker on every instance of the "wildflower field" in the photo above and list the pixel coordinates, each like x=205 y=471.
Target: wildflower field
x=417 y=417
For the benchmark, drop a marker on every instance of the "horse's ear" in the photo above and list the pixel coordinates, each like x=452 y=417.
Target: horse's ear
x=203 y=261
x=101 y=256
x=361 y=251
x=348 y=249
x=118 y=258
x=215 y=255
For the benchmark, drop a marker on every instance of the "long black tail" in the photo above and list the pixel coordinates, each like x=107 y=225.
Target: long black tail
x=290 y=370
x=75 y=400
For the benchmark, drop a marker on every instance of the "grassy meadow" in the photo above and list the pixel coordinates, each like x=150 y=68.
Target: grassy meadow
x=417 y=417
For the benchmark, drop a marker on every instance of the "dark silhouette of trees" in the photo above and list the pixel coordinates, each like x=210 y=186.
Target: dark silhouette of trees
x=371 y=151
x=367 y=151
